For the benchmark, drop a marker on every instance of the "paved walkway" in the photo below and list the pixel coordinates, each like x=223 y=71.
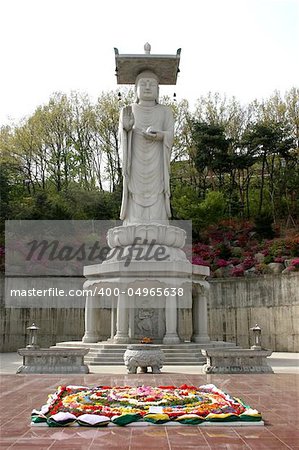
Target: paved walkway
x=276 y=396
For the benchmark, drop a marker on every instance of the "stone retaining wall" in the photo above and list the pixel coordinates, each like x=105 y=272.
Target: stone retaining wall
x=235 y=305
x=272 y=301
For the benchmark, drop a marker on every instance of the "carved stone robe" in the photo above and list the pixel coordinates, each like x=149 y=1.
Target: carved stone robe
x=146 y=166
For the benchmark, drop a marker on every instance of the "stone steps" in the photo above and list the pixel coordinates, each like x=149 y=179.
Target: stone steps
x=170 y=363
x=184 y=354
x=116 y=347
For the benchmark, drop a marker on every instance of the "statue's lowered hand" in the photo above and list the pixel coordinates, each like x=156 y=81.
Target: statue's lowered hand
x=127 y=118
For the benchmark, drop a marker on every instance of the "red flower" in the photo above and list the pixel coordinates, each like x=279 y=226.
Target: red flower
x=167 y=387
x=222 y=263
x=185 y=386
x=237 y=271
x=295 y=263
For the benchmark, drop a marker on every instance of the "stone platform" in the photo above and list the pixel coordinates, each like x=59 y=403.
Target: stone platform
x=110 y=354
x=236 y=360
x=53 y=360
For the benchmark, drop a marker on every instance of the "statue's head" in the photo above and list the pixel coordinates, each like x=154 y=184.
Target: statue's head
x=147 y=86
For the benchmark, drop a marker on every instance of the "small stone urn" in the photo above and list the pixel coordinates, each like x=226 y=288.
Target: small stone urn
x=143 y=356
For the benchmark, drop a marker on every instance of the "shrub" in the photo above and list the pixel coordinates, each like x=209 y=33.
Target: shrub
x=263 y=225
x=220 y=250
x=237 y=271
x=197 y=260
x=277 y=248
x=222 y=263
x=292 y=245
x=224 y=251
x=248 y=263
x=268 y=259
x=235 y=261
x=295 y=263
x=262 y=268
x=237 y=252
x=212 y=208
x=279 y=259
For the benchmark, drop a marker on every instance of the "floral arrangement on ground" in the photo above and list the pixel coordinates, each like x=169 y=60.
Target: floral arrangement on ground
x=122 y=405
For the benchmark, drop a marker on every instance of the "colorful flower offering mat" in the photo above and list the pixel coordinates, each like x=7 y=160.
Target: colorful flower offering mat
x=123 y=405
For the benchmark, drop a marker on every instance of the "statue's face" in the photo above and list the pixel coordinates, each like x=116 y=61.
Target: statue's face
x=147 y=89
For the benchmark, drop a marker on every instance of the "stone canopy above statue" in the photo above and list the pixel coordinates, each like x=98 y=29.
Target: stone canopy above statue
x=166 y=67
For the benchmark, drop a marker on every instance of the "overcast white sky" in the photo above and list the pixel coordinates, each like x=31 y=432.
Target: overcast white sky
x=246 y=48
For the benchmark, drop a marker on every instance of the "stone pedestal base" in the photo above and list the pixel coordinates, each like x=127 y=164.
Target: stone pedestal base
x=90 y=338
x=121 y=339
x=146 y=281
x=53 y=360
x=125 y=235
x=236 y=361
x=143 y=356
x=201 y=339
x=171 y=339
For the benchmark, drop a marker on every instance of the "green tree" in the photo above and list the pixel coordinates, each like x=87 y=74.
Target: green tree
x=106 y=121
x=212 y=151
x=270 y=142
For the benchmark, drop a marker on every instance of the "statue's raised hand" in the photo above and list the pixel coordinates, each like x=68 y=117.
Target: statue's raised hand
x=127 y=118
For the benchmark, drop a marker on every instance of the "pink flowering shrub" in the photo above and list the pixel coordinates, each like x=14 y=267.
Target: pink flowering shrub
x=248 y=262
x=235 y=261
x=237 y=271
x=199 y=261
x=295 y=263
x=233 y=242
x=222 y=263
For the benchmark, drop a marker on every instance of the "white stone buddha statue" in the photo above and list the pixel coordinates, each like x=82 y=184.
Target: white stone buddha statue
x=146 y=137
